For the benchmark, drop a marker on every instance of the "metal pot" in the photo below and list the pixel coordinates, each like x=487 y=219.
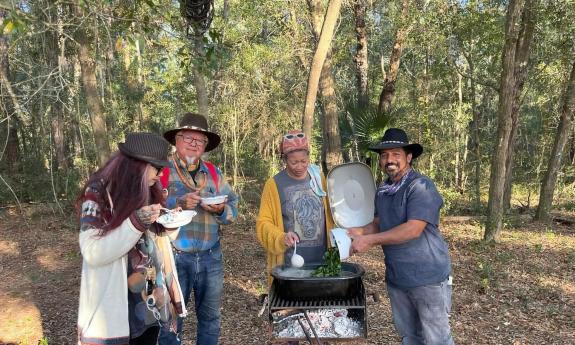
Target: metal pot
x=312 y=288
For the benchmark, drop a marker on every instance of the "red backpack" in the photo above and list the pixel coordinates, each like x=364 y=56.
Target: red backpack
x=165 y=179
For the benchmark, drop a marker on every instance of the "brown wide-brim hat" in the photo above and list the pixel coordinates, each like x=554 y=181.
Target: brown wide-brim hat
x=147 y=147
x=194 y=122
x=395 y=137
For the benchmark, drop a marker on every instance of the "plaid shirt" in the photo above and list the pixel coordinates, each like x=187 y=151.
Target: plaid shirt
x=202 y=233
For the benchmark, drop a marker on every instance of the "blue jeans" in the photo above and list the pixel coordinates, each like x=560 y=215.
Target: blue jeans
x=421 y=314
x=203 y=274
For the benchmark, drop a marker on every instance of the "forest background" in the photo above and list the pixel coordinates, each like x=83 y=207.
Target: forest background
x=487 y=87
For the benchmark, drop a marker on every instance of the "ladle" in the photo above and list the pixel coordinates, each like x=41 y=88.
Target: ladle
x=296 y=259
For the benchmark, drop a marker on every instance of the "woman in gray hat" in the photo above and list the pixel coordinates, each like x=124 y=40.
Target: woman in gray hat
x=125 y=293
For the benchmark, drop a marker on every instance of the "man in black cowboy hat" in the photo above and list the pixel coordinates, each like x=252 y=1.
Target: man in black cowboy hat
x=417 y=259
x=192 y=182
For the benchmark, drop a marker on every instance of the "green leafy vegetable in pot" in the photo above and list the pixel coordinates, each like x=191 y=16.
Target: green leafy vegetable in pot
x=332 y=267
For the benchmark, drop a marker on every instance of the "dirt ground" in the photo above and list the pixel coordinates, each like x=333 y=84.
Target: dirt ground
x=521 y=291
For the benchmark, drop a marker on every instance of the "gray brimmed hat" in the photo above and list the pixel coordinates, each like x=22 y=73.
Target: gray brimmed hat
x=194 y=122
x=147 y=147
x=395 y=137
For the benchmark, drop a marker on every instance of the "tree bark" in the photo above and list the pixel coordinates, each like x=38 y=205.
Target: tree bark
x=90 y=84
x=388 y=91
x=198 y=77
x=521 y=67
x=475 y=147
x=331 y=152
x=507 y=96
x=55 y=55
x=327 y=33
x=12 y=149
x=332 y=139
x=360 y=57
x=563 y=130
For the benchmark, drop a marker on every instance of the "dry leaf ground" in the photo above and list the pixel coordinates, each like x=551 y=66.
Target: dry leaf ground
x=521 y=291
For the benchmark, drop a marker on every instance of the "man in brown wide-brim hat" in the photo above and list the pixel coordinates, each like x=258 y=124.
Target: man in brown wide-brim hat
x=195 y=184
x=417 y=260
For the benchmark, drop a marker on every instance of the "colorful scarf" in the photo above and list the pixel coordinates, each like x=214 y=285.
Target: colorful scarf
x=388 y=187
x=315 y=180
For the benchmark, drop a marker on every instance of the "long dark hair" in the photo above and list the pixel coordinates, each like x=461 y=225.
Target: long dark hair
x=126 y=180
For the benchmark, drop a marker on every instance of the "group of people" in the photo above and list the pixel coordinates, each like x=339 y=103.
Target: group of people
x=138 y=276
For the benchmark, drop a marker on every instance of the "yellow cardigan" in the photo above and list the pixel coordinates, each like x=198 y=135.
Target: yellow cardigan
x=270 y=227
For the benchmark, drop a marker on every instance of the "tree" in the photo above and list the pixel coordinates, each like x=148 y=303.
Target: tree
x=563 y=130
x=327 y=33
x=90 y=83
x=12 y=108
x=331 y=152
x=517 y=23
x=360 y=58
x=198 y=15
x=523 y=51
x=390 y=77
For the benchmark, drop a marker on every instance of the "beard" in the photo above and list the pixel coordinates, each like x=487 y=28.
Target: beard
x=392 y=170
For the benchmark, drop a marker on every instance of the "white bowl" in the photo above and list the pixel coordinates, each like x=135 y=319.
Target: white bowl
x=176 y=219
x=214 y=200
x=341 y=239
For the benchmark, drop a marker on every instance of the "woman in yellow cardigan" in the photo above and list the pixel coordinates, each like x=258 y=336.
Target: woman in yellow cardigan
x=294 y=208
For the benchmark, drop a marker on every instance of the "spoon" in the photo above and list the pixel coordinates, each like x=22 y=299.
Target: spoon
x=296 y=259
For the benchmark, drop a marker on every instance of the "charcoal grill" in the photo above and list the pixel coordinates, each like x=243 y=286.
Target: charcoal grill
x=346 y=294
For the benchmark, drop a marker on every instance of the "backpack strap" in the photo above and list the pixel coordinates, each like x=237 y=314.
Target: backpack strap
x=165 y=179
x=214 y=174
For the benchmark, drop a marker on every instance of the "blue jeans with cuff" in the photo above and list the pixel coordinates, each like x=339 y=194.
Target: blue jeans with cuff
x=421 y=314
x=201 y=273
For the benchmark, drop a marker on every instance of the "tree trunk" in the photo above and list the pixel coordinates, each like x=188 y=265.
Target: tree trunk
x=388 y=91
x=507 y=96
x=90 y=84
x=521 y=67
x=360 y=57
x=319 y=57
x=475 y=147
x=55 y=55
x=226 y=10
x=198 y=77
x=12 y=151
x=332 y=139
x=331 y=152
x=563 y=130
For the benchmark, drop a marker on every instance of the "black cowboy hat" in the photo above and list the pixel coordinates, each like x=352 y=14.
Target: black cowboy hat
x=395 y=137
x=147 y=147
x=194 y=122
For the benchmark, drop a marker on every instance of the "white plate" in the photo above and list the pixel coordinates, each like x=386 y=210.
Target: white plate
x=341 y=239
x=176 y=219
x=214 y=200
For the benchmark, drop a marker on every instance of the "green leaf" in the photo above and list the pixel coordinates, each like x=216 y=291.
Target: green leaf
x=8 y=27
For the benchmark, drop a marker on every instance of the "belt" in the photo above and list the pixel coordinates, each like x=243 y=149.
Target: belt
x=196 y=252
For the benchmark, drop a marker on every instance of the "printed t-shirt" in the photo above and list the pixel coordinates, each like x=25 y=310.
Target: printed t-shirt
x=303 y=213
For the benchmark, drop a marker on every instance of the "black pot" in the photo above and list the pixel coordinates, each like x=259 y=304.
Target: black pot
x=313 y=288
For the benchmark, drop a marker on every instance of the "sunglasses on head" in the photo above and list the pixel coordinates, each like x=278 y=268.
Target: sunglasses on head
x=293 y=136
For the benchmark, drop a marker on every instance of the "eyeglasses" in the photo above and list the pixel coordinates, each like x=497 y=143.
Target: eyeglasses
x=192 y=140
x=159 y=169
x=292 y=136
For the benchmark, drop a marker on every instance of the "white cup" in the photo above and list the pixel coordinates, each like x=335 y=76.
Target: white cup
x=341 y=239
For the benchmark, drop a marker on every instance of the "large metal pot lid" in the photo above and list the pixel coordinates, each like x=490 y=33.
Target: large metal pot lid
x=351 y=193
